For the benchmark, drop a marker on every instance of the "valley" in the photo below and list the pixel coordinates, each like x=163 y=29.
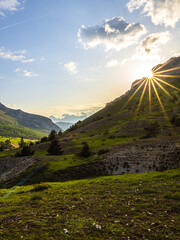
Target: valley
x=114 y=174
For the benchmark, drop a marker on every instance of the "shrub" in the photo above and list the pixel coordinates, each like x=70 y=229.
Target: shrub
x=2 y=148
x=44 y=139
x=112 y=136
x=103 y=151
x=26 y=151
x=152 y=130
x=40 y=187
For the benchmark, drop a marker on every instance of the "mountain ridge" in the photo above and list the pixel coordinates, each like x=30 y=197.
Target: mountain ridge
x=19 y=122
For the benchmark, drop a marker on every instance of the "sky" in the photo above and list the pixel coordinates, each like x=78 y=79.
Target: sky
x=71 y=57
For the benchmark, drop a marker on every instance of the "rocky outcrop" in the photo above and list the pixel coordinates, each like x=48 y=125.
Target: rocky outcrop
x=140 y=157
x=11 y=168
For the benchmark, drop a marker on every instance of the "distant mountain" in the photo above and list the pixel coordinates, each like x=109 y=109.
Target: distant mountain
x=18 y=123
x=64 y=125
x=69 y=118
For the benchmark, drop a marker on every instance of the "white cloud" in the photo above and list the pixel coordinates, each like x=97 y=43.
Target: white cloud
x=161 y=11
x=77 y=110
x=17 y=70
x=9 y=5
x=112 y=63
x=25 y=73
x=28 y=60
x=14 y=55
x=29 y=74
x=113 y=33
x=42 y=59
x=150 y=46
x=71 y=67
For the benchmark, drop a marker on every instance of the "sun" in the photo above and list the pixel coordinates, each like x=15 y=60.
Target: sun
x=149 y=74
x=154 y=80
x=142 y=70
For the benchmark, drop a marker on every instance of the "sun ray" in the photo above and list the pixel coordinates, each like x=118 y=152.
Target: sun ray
x=141 y=98
x=149 y=95
x=158 y=79
x=138 y=82
x=168 y=70
x=163 y=88
x=160 y=102
x=134 y=93
x=167 y=76
x=163 y=65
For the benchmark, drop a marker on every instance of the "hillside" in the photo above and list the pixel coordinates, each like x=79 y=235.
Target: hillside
x=16 y=123
x=129 y=114
x=139 y=206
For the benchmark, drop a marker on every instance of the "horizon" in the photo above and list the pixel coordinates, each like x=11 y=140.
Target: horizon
x=73 y=58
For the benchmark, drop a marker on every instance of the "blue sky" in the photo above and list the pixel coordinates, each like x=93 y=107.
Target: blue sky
x=73 y=56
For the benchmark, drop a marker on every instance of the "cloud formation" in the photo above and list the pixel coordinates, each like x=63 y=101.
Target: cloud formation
x=113 y=33
x=26 y=73
x=28 y=60
x=151 y=44
x=9 y=5
x=161 y=11
x=112 y=63
x=14 y=55
x=71 y=67
x=29 y=74
x=76 y=110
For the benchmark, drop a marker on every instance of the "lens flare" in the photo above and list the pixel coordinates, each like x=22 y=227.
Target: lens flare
x=155 y=79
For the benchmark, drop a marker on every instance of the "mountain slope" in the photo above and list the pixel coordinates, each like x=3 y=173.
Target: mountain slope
x=16 y=123
x=129 y=118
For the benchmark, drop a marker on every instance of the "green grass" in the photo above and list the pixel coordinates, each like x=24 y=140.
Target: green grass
x=139 y=206
x=65 y=161
x=15 y=140
x=8 y=153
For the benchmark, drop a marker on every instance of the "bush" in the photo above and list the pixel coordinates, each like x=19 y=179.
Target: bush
x=103 y=151
x=44 y=139
x=26 y=151
x=2 y=148
x=54 y=148
x=152 y=130
x=40 y=187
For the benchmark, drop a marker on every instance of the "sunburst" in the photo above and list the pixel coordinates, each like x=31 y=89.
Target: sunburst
x=157 y=80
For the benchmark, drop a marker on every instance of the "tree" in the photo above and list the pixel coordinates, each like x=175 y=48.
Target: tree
x=85 y=152
x=52 y=135
x=22 y=143
x=44 y=139
x=1 y=148
x=55 y=148
x=26 y=151
x=60 y=133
